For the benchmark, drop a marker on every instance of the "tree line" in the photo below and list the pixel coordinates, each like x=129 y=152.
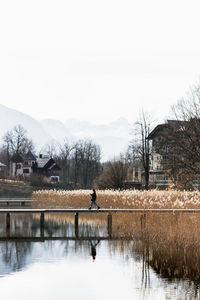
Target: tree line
x=79 y=161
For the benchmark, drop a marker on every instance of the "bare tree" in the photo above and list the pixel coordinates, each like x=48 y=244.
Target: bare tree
x=80 y=163
x=50 y=149
x=114 y=174
x=185 y=150
x=64 y=159
x=86 y=163
x=15 y=142
x=141 y=145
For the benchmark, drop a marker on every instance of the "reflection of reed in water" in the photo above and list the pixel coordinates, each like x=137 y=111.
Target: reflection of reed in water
x=180 y=231
x=171 y=244
x=168 y=263
x=169 y=259
x=145 y=283
x=173 y=239
x=88 y=226
x=176 y=262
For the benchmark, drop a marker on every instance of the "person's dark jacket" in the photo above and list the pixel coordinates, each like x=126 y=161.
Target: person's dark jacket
x=94 y=196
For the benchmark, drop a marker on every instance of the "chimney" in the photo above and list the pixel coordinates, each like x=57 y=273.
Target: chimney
x=40 y=155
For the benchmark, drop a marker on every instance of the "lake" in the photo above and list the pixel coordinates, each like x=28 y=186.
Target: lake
x=60 y=266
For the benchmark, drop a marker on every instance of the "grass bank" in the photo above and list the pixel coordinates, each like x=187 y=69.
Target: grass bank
x=15 y=189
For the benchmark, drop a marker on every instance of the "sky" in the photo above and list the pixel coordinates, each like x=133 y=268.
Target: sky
x=97 y=60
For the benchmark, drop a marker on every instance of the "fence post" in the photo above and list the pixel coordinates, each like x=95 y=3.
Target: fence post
x=42 y=219
x=7 y=221
x=109 y=218
x=76 y=223
x=42 y=225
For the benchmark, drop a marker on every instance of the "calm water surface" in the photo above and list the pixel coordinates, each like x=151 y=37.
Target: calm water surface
x=91 y=267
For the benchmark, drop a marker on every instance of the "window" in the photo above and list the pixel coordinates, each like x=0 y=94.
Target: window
x=26 y=171
x=54 y=179
x=19 y=166
x=26 y=163
x=136 y=172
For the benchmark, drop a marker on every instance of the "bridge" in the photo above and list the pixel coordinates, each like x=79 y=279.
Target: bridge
x=76 y=212
x=23 y=239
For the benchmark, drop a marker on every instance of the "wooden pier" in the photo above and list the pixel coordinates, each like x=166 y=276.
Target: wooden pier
x=76 y=212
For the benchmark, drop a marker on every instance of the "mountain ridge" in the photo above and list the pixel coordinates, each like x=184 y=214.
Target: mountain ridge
x=112 y=137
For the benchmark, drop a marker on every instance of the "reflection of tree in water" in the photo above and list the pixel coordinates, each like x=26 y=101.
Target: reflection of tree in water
x=14 y=253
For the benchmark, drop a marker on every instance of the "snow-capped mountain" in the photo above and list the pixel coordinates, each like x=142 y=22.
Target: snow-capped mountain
x=11 y=117
x=113 y=137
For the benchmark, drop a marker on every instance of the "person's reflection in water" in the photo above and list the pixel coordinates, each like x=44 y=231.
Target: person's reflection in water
x=93 y=249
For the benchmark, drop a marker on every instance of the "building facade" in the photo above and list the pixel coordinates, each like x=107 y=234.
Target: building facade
x=24 y=165
x=2 y=170
x=161 y=160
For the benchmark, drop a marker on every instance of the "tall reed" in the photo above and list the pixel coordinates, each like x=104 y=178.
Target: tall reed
x=174 y=238
x=117 y=199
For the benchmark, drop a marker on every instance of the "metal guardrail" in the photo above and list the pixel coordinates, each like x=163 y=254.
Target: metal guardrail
x=10 y=201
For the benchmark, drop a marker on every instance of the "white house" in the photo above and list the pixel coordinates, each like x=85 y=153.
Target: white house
x=23 y=165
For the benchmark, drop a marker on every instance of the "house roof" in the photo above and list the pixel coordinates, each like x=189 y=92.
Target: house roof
x=47 y=163
x=2 y=165
x=52 y=166
x=41 y=162
x=176 y=124
x=20 y=157
x=30 y=156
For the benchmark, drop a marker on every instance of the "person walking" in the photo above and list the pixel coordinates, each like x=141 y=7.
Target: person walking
x=93 y=199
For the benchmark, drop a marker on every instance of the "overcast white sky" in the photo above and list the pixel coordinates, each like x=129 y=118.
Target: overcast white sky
x=97 y=60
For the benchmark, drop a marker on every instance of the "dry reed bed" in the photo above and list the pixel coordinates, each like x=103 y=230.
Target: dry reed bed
x=184 y=227
x=181 y=228
x=117 y=199
x=174 y=238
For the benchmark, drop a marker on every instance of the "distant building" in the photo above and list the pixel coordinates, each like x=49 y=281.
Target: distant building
x=161 y=162
x=162 y=158
x=2 y=170
x=134 y=177
x=23 y=165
